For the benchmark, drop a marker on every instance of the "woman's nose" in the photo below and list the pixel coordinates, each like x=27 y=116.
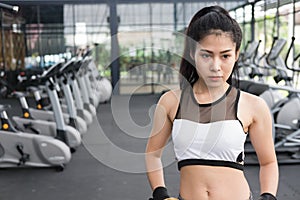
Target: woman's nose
x=216 y=65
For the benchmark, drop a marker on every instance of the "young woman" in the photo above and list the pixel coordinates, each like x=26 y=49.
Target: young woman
x=209 y=119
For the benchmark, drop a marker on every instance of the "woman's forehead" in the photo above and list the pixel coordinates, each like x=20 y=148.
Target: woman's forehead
x=217 y=39
x=218 y=33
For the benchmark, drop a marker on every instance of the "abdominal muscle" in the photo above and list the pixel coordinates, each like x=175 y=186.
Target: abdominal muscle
x=213 y=183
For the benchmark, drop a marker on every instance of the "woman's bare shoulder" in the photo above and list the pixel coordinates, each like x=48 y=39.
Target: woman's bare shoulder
x=170 y=100
x=170 y=97
x=253 y=103
x=251 y=99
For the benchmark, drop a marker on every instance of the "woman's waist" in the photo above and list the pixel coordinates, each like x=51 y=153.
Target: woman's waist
x=210 y=183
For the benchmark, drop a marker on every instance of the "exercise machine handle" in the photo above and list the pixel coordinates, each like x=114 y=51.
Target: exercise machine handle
x=272 y=46
x=288 y=53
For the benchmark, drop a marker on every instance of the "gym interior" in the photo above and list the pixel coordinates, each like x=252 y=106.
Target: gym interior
x=79 y=81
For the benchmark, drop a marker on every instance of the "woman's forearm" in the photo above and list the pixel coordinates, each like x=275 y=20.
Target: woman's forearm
x=154 y=171
x=156 y=179
x=269 y=178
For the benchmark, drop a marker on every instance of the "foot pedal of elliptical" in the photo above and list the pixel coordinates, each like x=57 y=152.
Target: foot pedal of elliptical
x=24 y=156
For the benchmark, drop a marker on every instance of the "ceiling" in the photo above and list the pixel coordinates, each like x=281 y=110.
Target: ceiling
x=61 y=2
x=52 y=11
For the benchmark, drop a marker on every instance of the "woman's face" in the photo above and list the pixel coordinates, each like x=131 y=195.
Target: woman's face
x=214 y=57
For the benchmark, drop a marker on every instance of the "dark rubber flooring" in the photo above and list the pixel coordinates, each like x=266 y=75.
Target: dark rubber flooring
x=110 y=165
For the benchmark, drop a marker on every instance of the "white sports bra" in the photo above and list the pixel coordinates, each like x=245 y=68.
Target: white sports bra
x=209 y=134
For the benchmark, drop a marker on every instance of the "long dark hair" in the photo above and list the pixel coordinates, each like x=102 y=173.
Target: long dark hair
x=202 y=24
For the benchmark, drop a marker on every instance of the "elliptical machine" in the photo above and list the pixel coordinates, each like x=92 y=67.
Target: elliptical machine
x=21 y=149
x=58 y=129
x=72 y=116
x=70 y=72
x=83 y=87
x=64 y=80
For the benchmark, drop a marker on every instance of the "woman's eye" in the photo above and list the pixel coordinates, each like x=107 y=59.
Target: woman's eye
x=205 y=55
x=226 y=56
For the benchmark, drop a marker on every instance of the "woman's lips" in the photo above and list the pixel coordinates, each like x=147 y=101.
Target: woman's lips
x=215 y=78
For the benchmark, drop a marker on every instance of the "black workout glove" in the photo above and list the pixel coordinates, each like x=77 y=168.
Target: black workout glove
x=267 y=196
x=160 y=193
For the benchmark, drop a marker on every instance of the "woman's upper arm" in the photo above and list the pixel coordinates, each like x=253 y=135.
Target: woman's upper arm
x=261 y=131
x=162 y=122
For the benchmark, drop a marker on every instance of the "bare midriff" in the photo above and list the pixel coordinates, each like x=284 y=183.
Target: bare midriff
x=199 y=182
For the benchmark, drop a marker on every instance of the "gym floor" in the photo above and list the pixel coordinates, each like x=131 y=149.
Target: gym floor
x=110 y=165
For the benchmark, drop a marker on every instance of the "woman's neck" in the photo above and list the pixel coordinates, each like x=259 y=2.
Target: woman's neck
x=210 y=94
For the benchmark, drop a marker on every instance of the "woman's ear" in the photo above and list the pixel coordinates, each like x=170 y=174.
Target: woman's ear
x=192 y=55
